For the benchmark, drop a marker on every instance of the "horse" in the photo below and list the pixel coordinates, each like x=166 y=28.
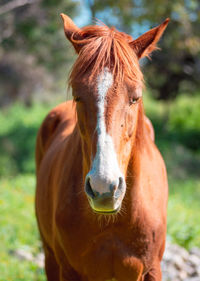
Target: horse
x=102 y=190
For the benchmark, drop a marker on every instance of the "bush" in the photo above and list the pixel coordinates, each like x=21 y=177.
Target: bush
x=184 y=119
x=185 y=113
x=19 y=126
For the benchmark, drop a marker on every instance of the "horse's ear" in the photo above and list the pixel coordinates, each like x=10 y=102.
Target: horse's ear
x=146 y=43
x=71 y=31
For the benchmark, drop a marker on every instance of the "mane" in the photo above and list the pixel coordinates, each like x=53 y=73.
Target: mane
x=105 y=47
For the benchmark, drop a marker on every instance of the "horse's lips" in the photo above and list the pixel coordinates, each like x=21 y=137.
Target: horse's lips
x=101 y=210
x=106 y=205
x=107 y=212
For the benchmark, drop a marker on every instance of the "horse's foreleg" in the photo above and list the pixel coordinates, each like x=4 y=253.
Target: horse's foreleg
x=51 y=267
x=68 y=274
x=155 y=274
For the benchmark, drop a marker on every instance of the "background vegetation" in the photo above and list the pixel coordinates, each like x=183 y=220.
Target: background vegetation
x=34 y=61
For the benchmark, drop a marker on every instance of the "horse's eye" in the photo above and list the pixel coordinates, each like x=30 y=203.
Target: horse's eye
x=133 y=100
x=77 y=99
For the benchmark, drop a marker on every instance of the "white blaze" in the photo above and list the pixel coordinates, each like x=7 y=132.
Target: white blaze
x=105 y=169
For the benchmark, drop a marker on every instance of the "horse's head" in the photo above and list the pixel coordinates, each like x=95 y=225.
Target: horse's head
x=107 y=87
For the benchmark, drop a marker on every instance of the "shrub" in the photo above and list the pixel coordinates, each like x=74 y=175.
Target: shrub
x=184 y=119
x=19 y=126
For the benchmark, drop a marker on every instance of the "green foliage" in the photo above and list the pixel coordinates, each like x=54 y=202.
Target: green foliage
x=35 y=27
x=184 y=113
x=19 y=126
x=184 y=118
x=34 y=53
x=177 y=121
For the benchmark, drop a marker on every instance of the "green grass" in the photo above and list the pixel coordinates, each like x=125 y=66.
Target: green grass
x=19 y=126
x=18 y=228
x=183 y=212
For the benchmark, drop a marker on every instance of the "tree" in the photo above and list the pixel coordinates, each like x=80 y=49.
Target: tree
x=33 y=49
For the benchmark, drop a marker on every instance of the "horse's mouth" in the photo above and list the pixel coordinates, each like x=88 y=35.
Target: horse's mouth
x=107 y=212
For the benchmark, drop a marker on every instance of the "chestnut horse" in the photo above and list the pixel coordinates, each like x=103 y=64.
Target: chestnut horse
x=102 y=187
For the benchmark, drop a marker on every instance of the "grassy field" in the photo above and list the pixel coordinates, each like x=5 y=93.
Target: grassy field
x=18 y=230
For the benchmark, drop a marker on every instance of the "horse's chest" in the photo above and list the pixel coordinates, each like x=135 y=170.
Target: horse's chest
x=103 y=257
x=111 y=259
x=114 y=253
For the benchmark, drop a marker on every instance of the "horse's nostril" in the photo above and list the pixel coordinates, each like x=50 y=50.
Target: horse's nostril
x=113 y=188
x=120 y=186
x=88 y=188
x=117 y=188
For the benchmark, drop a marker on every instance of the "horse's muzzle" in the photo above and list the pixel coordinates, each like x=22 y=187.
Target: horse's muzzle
x=108 y=202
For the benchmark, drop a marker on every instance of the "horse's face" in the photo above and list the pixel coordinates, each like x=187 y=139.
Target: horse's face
x=107 y=118
x=106 y=83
